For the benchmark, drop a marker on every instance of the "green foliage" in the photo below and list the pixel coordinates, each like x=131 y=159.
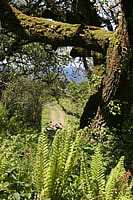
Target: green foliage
x=41 y=162
x=3 y=118
x=16 y=154
x=65 y=169
x=112 y=146
x=117 y=184
x=23 y=99
x=55 y=164
x=58 y=165
x=79 y=91
x=94 y=184
x=114 y=108
x=97 y=173
x=93 y=179
x=8 y=126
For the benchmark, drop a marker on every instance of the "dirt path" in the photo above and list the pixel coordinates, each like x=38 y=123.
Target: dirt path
x=60 y=121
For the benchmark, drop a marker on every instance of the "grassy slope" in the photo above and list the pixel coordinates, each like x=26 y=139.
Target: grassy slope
x=45 y=116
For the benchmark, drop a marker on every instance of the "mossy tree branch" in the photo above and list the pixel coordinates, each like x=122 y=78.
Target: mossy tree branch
x=51 y=32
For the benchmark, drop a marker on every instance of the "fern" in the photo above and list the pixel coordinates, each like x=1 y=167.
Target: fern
x=72 y=154
x=53 y=168
x=65 y=150
x=55 y=164
x=97 y=173
x=94 y=184
x=85 y=177
x=93 y=180
x=59 y=162
x=117 y=186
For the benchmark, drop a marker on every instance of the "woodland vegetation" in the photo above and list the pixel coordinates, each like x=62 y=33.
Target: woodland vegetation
x=91 y=156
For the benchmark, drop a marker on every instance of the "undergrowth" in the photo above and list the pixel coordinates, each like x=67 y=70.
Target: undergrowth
x=65 y=170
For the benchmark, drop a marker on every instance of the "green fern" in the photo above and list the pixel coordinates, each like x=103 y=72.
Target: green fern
x=94 y=184
x=117 y=186
x=65 y=150
x=85 y=177
x=93 y=179
x=54 y=166
x=72 y=155
x=97 y=173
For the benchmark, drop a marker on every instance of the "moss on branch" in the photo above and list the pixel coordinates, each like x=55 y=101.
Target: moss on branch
x=100 y=34
x=53 y=32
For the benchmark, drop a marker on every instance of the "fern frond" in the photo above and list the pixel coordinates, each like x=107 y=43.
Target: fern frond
x=124 y=189
x=85 y=177
x=53 y=169
x=97 y=174
x=93 y=184
x=69 y=156
x=72 y=155
x=113 y=186
x=65 y=149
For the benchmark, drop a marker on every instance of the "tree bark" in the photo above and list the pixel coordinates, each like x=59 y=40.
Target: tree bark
x=117 y=85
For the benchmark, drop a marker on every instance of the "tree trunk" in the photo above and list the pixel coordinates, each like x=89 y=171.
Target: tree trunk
x=115 y=96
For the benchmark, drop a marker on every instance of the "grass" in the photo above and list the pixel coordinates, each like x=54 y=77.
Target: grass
x=45 y=115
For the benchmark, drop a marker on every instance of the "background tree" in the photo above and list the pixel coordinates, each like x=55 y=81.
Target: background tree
x=23 y=100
